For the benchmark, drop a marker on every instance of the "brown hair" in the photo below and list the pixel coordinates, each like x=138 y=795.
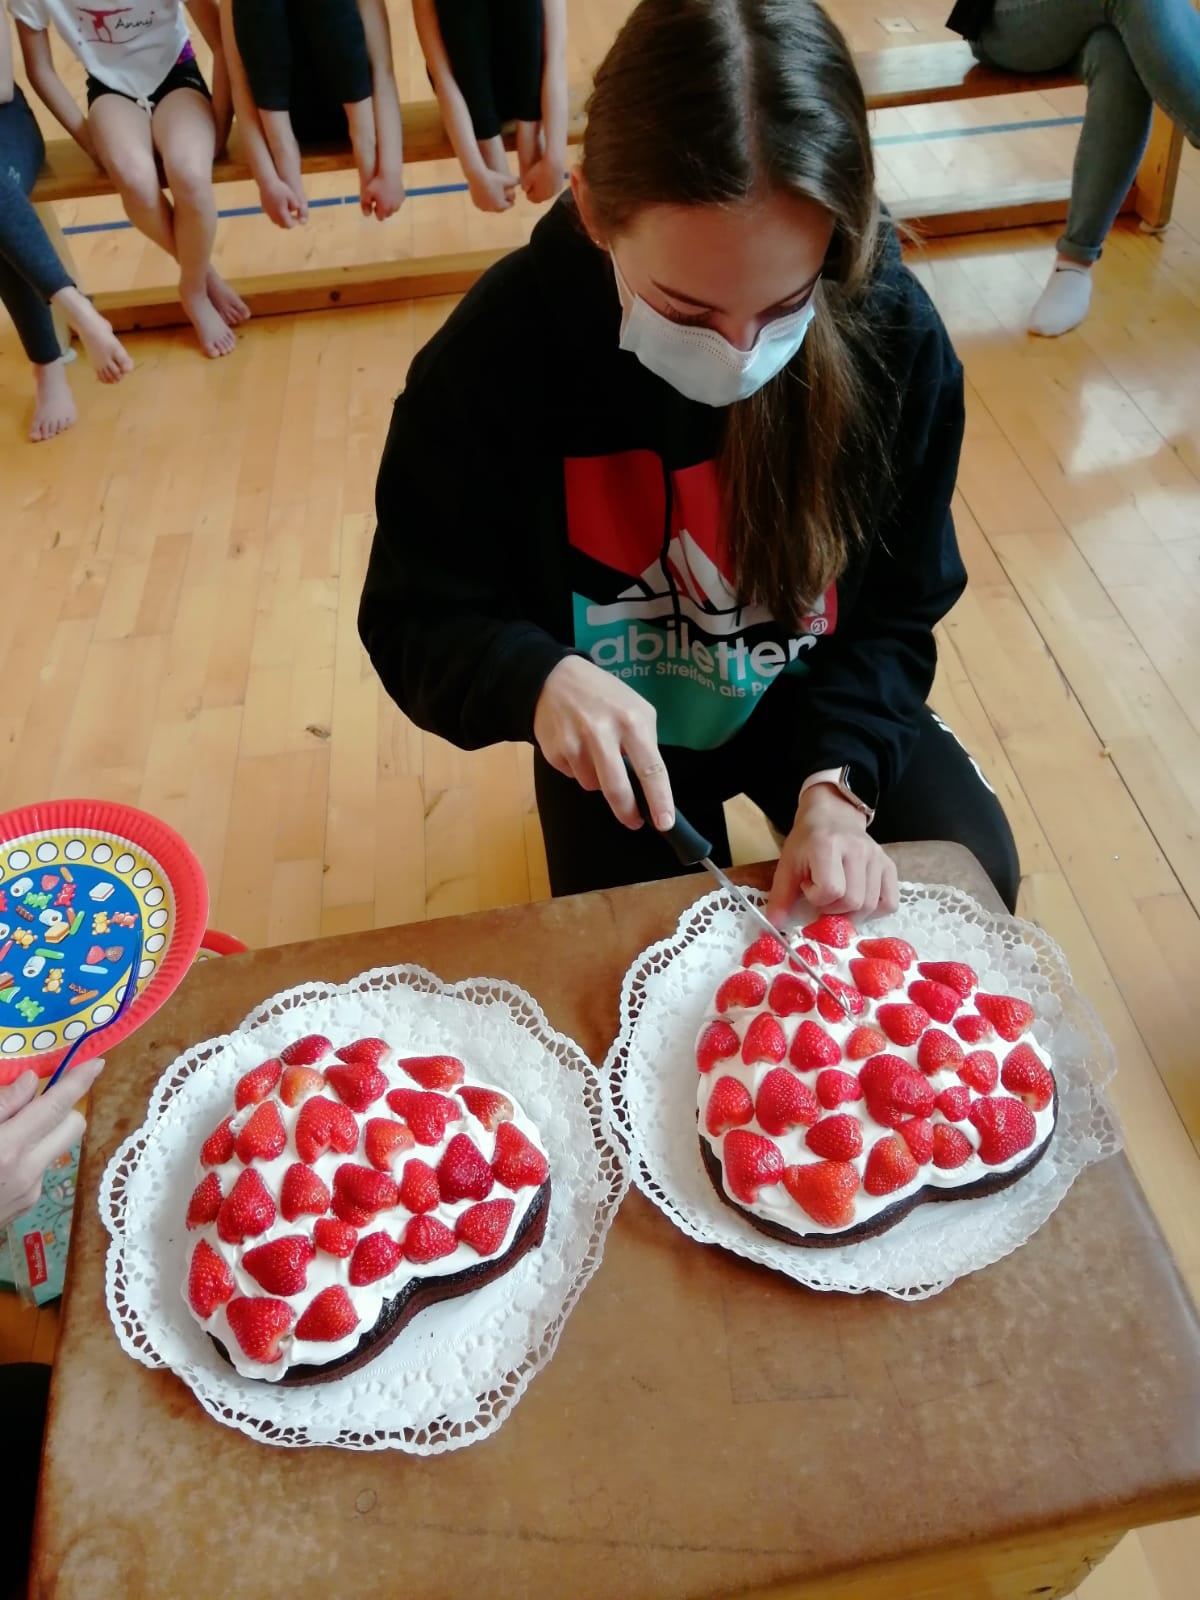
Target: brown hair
x=710 y=102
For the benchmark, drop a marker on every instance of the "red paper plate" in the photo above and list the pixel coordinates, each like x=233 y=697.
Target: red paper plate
x=215 y=943
x=75 y=878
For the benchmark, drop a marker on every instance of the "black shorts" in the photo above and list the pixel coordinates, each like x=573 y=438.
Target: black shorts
x=185 y=74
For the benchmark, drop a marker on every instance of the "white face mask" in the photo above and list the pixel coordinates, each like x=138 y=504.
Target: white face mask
x=698 y=361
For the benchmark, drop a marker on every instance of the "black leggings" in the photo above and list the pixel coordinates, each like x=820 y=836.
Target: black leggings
x=30 y=271
x=495 y=53
x=306 y=57
x=941 y=795
x=24 y=1390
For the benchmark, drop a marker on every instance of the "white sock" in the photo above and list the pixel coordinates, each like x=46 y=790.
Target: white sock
x=1064 y=301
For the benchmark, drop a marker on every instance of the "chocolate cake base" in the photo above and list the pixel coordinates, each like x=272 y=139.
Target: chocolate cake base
x=418 y=1293
x=991 y=1183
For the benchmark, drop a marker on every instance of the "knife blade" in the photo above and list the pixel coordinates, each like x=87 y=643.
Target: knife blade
x=692 y=849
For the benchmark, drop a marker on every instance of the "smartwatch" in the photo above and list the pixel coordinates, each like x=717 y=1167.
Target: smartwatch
x=854 y=783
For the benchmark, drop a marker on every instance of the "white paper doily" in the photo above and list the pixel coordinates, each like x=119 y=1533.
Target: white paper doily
x=650 y=1075
x=456 y=1372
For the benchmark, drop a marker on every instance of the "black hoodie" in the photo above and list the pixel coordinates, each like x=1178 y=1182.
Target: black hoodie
x=541 y=492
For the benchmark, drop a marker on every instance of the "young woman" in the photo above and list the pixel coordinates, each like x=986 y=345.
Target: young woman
x=32 y=278
x=492 y=62
x=147 y=101
x=1132 y=56
x=313 y=72
x=709 y=527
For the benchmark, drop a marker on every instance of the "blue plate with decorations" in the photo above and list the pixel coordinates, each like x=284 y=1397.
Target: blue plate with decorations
x=78 y=878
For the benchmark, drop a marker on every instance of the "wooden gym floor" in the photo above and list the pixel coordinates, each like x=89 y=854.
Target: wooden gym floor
x=181 y=575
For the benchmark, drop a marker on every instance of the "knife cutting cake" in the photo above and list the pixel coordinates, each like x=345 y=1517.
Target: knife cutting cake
x=346 y=1190
x=823 y=1128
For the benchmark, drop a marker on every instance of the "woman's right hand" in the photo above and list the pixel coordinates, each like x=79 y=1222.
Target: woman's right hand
x=585 y=721
x=35 y=1130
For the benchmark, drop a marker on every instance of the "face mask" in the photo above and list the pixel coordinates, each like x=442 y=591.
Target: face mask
x=698 y=361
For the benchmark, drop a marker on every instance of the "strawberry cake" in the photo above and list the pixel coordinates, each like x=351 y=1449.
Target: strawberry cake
x=826 y=1129
x=347 y=1190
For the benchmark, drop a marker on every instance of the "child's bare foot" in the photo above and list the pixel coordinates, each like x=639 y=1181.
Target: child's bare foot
x=228 y=302
x=215 y=335
x=105 y=351
x=54 y=409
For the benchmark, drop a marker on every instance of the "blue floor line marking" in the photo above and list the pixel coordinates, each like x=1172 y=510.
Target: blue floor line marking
x=936 y=134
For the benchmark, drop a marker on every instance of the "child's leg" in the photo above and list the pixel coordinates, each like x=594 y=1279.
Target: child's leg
x=121 y=135
x=53 y=406
x=185 y=134
x=517 y=51
x=466 y=27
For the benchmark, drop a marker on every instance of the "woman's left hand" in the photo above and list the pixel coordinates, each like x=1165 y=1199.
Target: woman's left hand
x=831 y=861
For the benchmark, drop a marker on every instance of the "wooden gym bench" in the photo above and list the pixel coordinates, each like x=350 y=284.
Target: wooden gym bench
x=912 y=75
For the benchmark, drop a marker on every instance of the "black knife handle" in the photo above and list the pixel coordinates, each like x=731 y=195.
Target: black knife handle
x=690 y=846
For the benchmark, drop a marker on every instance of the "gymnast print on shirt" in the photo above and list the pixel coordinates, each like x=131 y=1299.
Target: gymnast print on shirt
x=654 y=602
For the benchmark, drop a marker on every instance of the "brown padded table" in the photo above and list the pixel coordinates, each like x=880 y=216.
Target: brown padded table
x=706 y=1427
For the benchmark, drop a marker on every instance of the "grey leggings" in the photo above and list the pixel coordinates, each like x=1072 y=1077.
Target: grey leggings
x=1133 y=55
x=30 y=271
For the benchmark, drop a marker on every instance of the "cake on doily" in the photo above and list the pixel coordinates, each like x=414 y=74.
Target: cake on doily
x=347 y=1190
x=825 y=1129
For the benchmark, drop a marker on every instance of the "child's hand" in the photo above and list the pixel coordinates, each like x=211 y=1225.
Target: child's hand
x=281 y=203
x=34 y=1131
x=383 y=195
x=544 y=179
x=492 y=191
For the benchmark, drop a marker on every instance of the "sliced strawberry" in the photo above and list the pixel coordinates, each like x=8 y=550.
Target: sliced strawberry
x=491 y=1108
x=361 y=1189
x=363 y=1052
x=419 y=1189
x=864 y=1042
x=217 y=1149
x=426 y=1239
x=897 y=950
x=329 y=1318
x=765 y=1041
x=890 y=1166
x=981 y=1070
x=302 y=1194
x=903 y=1024
x=385 y=1139
x=281 y=1267
x=939 y=999
x=334 y=1237
x=247 y=1210
x=812 y=1048
x=1027 y=1077
x=954 y=974
x=298 y=1083
x=374 y=1257
x=517 y=1162
x=748 y=988
x=305 y=1052
x=951 y=1147
x=258 y=1326
x=324 y=1125
x=918 y=1136
x=426 y=1113
x=484 y=1227
x=835 y=931
x=939 y=1052
x=462 y=1173
x=831 y=1010
x=434 y=1072
x=836 y=1138
x=717 y=1043
x=895 y=1091
x=729 y=1106
x=972 y=1029
x=205 y=1202
x=765 y=952
x=264 y=1137
x=825 y=1190
x=1009 y=1017
x=1006 y=1127
x=876 y=978
x=257 y=1085
x=955 y=1102
x=784 y=1102
x=210 y=1282
x=835 y=1088
x=751 y=1163
x=790 y=996
x=358 y=1085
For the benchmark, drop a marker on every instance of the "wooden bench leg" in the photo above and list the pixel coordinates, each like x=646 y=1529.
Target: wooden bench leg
x=1154 y=190
x=48 y=217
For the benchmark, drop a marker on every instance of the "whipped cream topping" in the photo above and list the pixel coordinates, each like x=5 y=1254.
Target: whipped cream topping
x=774 y=1203
x=325 y=1270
